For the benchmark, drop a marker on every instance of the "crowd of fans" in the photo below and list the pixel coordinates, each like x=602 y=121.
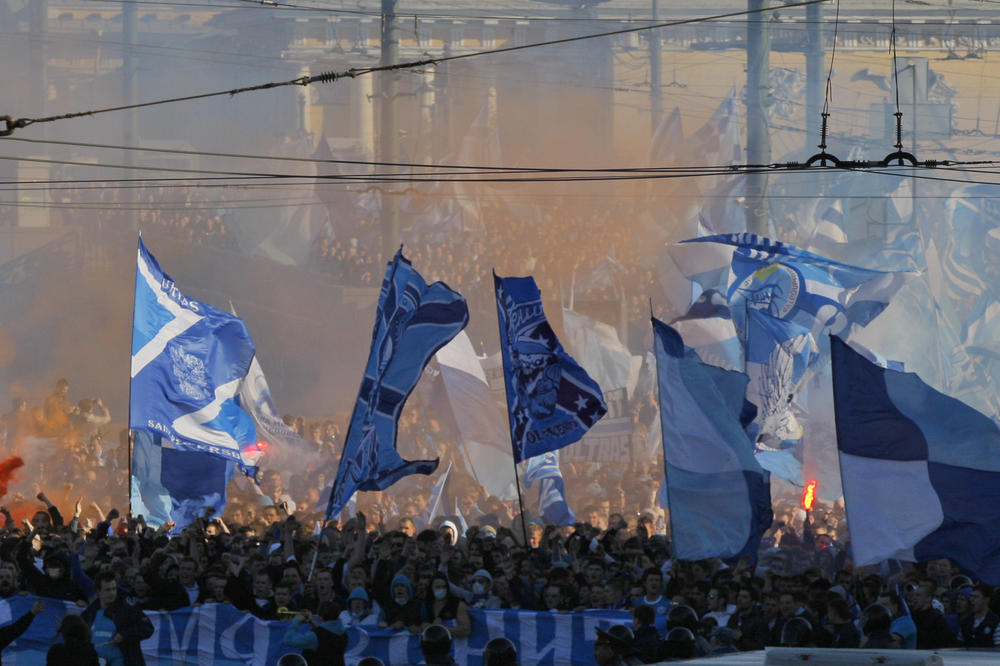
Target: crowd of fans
x=386 y=566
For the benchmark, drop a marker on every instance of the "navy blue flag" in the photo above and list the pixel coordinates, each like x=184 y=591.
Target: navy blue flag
x=921 y=469
x=189 y=360
x=412 y=322
x=552 y=401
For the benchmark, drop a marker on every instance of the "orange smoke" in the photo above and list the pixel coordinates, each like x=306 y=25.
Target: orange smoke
x=7 y=468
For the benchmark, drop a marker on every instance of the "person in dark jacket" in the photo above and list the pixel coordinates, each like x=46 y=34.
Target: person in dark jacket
x=56 y=582
x=321 y=636
x=76 y=648
x=117 y=626
x=980 y=627
x=11 y=632
x=402 y=611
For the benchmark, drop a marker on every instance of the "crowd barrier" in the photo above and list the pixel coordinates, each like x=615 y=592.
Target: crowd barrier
x=222 y=635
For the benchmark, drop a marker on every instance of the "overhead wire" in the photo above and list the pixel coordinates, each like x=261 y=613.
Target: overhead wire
x=329 y=77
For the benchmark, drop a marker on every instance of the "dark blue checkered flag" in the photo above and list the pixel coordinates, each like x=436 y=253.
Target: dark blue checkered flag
x=412 y=322
x=552 y=401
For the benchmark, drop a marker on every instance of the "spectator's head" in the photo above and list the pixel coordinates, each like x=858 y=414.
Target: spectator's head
x=482 y=582
x=261 y=585
x=746 y=599
x=876 y=619
x=788 y=604
x=8 y=582
x=74 y=629
x=552 y=597
x=282 y=595
x=499 y=652
x=107 y=589
x=838 y=611
x=613 y=643
x=407 y=527
x=643 y=615
x=535 y=533
x=329 y=611
x=682 y=616
x=923 y=595
x=981 y=595
x=187 y=572
x=797 y=632
x=652 y=580
x=435 y=643
x=357 y=602
x=449 y=533
x=290 y=574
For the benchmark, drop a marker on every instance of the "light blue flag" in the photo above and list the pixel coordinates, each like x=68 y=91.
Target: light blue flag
x=778 y=351
x=708 y=328
x=787 y=282
x=719 y=496
x=552 y=401
x=176 y=485
x=552 y=503
x=412 y=321
x=921 y=469
x=188 y=361
x=438 y=503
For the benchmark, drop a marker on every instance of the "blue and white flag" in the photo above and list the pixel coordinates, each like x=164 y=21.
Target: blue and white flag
x=412 y=321
x=719 y=497
x=778 y=353
x=708 y=328
x=188 y=362
x=921 y=469
x=438 y=503
x=279 y=442
x=552 y=503
x=169 y=484
x=787 y=282
x=551 y=399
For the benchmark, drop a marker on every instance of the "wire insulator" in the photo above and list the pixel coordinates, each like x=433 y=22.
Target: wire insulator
x=325 y=77
x=823 y=129
x=899 y=130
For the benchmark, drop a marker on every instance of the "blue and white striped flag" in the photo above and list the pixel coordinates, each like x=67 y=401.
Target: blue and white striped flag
x=552 y=401
x=552 y=503
x=188 y=362
x=412 y=322
x=438 y=503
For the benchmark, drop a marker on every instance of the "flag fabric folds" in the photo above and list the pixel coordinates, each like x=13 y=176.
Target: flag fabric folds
x=552 y=503
x=551 y=400
x=412 y=321
x=719 y=496
x=169 y=484
x=778 y=352
x=188 y=361
x=787 y=282
x=438 y=503
x=464 y=394
x=921 y=470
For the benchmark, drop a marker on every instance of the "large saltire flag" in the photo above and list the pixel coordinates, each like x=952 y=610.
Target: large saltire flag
x=787 y=282
x=921 y=469
x=718 y=494
x=551 y=400
x=412 y=321
x=188 y=362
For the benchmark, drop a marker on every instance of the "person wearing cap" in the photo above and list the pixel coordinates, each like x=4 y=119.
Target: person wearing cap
x=358 y=612
x=448 y=532
x=480 y=594
x=613 y=647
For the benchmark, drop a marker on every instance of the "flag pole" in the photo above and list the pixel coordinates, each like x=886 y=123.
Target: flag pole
x=503 y=361
x=663 y=440
x=131 y=433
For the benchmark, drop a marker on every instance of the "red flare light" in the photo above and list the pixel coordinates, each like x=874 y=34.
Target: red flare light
x=809 y=495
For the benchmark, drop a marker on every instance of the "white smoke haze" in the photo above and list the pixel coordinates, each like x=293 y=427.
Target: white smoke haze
x=301 y=262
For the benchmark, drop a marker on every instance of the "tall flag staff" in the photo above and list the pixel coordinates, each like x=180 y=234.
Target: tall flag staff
x=551 y=401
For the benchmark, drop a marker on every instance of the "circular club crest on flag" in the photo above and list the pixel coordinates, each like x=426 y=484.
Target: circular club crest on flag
x=774 y=288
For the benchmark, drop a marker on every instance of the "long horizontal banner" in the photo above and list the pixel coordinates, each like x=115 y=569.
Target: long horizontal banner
x=222 y=635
